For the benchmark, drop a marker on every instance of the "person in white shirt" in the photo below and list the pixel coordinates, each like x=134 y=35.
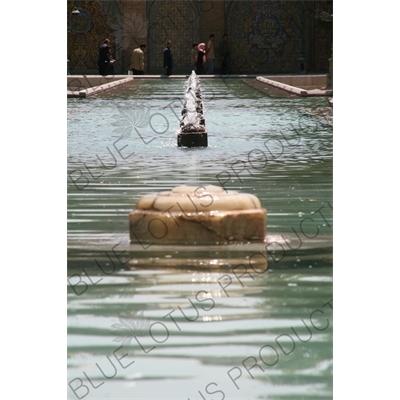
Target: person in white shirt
x=210 y=55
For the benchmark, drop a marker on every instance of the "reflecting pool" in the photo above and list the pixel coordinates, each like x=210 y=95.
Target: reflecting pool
x=154 y=322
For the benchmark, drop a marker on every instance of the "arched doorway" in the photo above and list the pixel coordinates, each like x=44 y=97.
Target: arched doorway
x=178 y=21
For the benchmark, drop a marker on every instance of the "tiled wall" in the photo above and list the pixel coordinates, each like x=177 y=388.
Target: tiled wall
x=264 y=36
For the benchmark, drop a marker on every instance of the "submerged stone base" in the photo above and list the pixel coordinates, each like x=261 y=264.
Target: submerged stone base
x=198 y=215
x=192 y=139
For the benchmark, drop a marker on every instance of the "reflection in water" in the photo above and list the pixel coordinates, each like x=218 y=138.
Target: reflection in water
x=192 y=333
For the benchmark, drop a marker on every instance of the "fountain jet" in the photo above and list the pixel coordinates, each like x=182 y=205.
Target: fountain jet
x=192 y=132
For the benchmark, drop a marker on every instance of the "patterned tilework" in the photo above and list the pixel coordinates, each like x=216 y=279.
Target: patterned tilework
x=83 y=47
x=264 y=35
x=270 y=38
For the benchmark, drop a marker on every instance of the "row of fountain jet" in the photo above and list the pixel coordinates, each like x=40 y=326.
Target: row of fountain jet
x=192 y=120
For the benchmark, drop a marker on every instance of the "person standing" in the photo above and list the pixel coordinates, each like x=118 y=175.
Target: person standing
x=201 y=58
x=224 y=53
x=193 y=56
x=137 y=60
x=168 y=64
x=111 y=62
x=104 y=57
x=210 y=55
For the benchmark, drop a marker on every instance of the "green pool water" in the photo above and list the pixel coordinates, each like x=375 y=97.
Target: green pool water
x=143 y=330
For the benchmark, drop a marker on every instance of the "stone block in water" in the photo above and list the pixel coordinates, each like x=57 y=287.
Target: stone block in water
x=191 y=139
x=198 y=215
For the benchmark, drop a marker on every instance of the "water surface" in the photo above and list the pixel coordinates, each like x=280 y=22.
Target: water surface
x=211 y=332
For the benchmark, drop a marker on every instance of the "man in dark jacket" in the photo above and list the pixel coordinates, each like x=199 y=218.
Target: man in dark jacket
x=168 y=59
x=104 y=57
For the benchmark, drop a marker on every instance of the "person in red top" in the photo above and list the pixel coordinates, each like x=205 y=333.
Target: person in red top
x=201 y=59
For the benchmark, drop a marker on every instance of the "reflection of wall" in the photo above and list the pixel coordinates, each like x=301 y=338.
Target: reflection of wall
x=264 y=34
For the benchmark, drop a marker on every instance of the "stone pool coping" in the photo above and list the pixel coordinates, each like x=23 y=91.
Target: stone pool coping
x=302 y=80
x=94 y=84
x=300 y=85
